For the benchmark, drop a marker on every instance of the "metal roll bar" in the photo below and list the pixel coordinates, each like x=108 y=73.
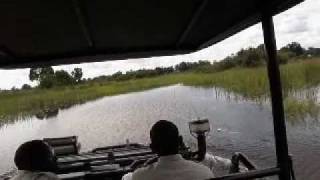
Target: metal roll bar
x=276 y=97
x=284 y=167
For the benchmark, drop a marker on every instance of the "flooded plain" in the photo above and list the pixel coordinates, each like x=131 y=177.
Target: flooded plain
x=238 y=125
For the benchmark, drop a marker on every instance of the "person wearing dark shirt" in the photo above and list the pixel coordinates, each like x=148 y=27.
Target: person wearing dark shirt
x=35 y=161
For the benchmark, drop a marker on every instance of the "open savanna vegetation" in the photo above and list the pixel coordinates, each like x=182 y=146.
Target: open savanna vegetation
x=236 y=74
x=251 y=83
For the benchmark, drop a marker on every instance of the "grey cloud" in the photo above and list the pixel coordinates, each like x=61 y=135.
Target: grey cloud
x=291 y=23
x=298 y=27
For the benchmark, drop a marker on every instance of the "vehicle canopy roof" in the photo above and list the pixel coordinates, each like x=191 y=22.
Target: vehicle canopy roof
x=40 y=33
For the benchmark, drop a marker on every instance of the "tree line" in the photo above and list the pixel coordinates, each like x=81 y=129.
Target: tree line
x=253 y=57
x=48 y=78
x=250 y=57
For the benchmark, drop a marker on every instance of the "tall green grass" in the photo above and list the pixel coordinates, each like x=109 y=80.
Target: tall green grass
x=298 y=109
x=250 y=83
x=30 y=102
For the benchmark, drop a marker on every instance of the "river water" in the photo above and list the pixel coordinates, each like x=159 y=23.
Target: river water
x=238 y=125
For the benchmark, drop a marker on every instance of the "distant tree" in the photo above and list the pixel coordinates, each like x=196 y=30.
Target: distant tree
x=117 y=75
x=313 y=51
x=183 y=66
x=36 y=74
x=62 y=77
x=252 y=57
x=77 y=74
x=294 y=47
x=47 y=81
x=169 y=69
x=261 y=47
x=26 y=87
x=44 y=76
x=14 y=88
x=226 y=63
x=48 y=78
x=204 y=63
x=46 y=71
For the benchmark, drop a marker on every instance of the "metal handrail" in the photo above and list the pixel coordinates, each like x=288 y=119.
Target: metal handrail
x=250 y=174
x=238 y=158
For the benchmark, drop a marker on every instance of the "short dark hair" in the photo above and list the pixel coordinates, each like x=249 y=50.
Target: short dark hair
x=164 y=137
x=35 y=155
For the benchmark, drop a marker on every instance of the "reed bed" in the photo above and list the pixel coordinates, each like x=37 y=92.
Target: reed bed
x=251 y=83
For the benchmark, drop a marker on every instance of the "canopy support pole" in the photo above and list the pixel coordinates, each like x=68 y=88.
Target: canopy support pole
x=276 y=97
x=192 y=22
x=83 y=24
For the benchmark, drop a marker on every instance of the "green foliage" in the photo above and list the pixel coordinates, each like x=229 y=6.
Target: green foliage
x=63 y=78
x=38 y=74
x=251 y=57
x=251 y=83
x=14 y=88
x=298 y=109
x=117 y=75
x=142 y=73
x=241 y=73
x=284 y=57
x=77 y=74
x=47 y=81
x=46 y=71
x=47 y=78
x=34 y=74
x=313 y=52
x=254 y=57
x=26 y=87
x=185 y=66
x=295 y=48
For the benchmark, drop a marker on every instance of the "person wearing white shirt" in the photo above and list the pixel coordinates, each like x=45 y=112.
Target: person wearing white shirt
x=30 y=175
x=35 y=161
x=171 y=165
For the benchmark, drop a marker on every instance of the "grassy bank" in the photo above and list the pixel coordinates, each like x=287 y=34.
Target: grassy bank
x=248 y=82
x=30 y=102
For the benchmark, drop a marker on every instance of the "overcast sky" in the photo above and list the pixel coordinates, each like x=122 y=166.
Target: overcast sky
x=300 y=24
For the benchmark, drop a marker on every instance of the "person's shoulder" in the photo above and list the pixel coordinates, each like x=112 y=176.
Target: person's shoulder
x=28 y=175
x=195 y=164
x=198 y=167
x=143 y=171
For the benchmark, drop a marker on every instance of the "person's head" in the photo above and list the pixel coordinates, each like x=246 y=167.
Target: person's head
x=164 y=137
x=35 y=155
